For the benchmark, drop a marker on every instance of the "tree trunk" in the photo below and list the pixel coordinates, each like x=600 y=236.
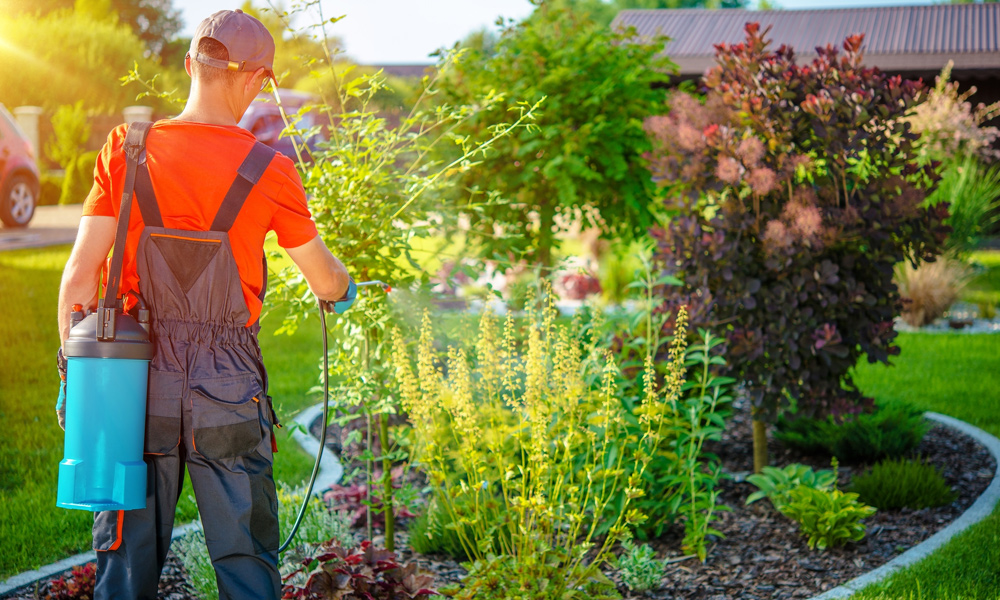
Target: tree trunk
x=759 y=445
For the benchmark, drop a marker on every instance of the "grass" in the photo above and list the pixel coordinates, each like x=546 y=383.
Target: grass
x=985 y=286
x=33 y=532
x=957 y=375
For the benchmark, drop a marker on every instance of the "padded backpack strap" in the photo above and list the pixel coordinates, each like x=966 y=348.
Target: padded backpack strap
x=134 y=147
x=247 y=176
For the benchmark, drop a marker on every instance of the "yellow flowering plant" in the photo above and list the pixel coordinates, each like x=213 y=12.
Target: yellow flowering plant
x=524 y=446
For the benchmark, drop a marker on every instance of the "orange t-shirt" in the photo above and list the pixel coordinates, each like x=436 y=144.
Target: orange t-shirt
x=191 y=166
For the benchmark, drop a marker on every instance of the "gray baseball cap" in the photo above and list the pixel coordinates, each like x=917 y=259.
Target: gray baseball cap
x=249 y=43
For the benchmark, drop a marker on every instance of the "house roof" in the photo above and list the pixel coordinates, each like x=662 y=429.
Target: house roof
x=897 y=38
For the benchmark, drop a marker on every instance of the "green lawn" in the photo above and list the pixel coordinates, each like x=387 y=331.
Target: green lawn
x=33 y=532
x=957 y=375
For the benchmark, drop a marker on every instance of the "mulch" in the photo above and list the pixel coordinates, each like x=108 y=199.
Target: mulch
x=762 y=554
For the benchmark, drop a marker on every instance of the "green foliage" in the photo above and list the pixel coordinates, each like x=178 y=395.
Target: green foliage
x=795 y=193
x=892 y=430
x=525 y=486
x=972 y=191
x=619 y=267
x=79 y=178
x=828 y=518
x=193 y=554
x=62 y=58
x=902 y=483
x=70 y=132
x=50 y=189
x=319 y=524
x=435 y=531
x=554 y=576
x=639 y=568
x=777 y=484
x=587 y=149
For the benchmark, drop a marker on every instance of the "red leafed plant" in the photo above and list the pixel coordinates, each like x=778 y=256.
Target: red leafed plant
x=78 y=586
x=362 y=573
x=795 y=190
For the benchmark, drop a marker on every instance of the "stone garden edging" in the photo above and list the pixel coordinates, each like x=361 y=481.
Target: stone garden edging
x=980 y=509
x=330 y=472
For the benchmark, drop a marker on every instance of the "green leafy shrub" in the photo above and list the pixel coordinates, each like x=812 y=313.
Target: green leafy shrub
x=901 y=483
x=795 y=191
x=336 y=573
x=50 y=189
x=777 y=484
x=639 y=568
x=435 y=531
x=70 y=131
x=890 y=431
x=78 y=179
x=828 y=518
x=588 y=147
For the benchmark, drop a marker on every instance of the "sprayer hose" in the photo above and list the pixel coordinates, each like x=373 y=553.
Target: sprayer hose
x=322 y=441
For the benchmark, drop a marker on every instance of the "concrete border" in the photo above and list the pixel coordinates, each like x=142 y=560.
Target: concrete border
x=980 y=509
x=330 y=472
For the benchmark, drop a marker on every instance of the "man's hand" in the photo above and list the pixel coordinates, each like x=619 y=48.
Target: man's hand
x=341 y=306
x=61 y=400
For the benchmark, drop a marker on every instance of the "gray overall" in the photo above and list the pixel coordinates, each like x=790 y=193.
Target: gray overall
x=207 y=410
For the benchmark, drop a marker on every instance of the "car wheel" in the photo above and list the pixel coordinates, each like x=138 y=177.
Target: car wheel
x=17 y=205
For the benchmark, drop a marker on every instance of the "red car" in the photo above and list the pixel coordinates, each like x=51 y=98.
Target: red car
x=18 y=174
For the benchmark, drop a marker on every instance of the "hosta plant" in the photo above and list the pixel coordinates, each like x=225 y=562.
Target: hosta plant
x=639 y=568
x=361 y=573
x=795 y=191
x=777 y=484
x=827 y=518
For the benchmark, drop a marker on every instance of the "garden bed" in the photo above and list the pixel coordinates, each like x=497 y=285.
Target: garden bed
x=762 y=556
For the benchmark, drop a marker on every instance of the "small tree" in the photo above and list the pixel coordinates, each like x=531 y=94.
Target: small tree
x=796 y=192
x=587 y=149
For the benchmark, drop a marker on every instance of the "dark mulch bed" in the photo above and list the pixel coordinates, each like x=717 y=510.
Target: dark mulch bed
x=762 y=555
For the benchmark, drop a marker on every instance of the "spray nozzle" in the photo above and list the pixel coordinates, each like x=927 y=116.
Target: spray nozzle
x=385 y=286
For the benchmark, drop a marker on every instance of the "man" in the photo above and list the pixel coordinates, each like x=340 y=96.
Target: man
x=207 y=195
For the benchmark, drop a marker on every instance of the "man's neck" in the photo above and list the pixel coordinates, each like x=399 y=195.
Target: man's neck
x=212 y=105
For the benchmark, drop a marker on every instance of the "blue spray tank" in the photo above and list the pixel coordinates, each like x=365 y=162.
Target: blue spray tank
x=107 y=369
x=107 y=372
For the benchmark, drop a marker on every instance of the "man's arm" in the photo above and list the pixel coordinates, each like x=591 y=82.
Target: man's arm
x=83 y=270
x=326 y=275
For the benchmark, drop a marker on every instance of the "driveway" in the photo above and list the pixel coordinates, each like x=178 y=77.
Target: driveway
x=51 y=225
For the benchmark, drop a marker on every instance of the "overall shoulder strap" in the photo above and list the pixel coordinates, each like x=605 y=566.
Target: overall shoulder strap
x=134 y=146
x=145 y=197
x=247 y=176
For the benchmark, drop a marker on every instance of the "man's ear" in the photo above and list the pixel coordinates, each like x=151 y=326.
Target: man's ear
x=187 y=65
